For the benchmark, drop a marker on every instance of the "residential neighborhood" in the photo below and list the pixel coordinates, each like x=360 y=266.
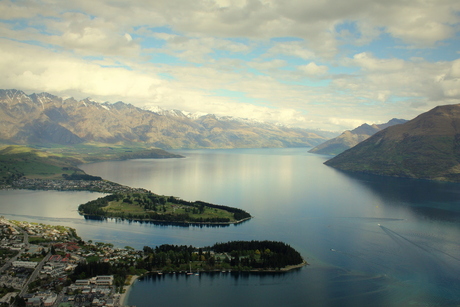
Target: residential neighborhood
x=103 y=186
x=38 y=267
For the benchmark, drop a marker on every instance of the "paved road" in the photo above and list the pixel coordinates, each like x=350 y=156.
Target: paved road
x=34 y=274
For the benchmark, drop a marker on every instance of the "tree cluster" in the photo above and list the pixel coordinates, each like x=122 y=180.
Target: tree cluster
x=236 y=255
x=260 y=254
x=85 y=177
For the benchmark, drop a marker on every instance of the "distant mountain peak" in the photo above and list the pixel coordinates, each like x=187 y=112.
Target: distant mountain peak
x=348 y=138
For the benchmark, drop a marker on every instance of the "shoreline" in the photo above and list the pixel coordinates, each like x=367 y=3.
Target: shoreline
x=178 y=223
x=126 y=289
x=293 y=267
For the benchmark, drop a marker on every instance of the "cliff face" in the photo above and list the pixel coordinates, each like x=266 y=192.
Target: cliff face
x=427 y=147
x=47 y=119
x=351 y=138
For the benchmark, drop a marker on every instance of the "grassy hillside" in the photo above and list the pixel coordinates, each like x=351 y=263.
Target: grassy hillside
x=427 y=147
x=93 y=152
x=52 y=163
x=19 y=161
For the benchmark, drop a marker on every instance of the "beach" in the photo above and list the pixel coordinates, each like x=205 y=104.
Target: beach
x=126 y=289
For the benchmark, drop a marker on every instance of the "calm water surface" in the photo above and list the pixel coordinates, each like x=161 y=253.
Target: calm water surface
x=370 y=241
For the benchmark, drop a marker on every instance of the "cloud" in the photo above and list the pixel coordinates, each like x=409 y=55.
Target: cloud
x=312 y=69
x=35 y=68
x=90 y=36
x=369 y=63
x=389 y=80
x=10 y=10
x=276 y=63
x=296 y=49
x=329 y=63
x=197 y=49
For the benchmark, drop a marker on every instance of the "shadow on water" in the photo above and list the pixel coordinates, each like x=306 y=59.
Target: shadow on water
x=432 y=200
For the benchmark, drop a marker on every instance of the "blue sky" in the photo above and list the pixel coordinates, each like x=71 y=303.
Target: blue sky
x=328 y=64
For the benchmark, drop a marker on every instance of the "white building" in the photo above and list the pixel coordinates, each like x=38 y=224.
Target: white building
x=25 y=264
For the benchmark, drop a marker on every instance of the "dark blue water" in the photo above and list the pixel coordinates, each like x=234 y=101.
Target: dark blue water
x=370 y=241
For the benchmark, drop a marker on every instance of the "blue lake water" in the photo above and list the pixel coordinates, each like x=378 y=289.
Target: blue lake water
x=369 y=240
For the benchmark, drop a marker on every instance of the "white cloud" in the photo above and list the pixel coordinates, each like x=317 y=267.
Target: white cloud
x=368 y=62
x=296 y=49
x=313 y=69
x=34 y=68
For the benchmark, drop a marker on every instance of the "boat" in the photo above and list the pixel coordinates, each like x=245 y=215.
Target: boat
x=190 y=270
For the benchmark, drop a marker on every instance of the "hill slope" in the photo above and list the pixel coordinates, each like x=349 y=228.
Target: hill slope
x=47 y=119
x=351 y=138
x=19 y=161
x=427 y=147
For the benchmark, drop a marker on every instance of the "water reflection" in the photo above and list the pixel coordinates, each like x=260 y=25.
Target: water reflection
x=178 y=224
x=429 y=199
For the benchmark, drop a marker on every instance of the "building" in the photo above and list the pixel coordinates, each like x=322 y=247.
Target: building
x=104 y=280
x=24 y=264
x=82 y=282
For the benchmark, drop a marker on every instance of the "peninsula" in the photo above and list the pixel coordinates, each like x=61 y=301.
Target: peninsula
x=28 y=168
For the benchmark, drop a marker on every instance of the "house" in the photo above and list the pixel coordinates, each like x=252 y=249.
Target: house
x=82 y=282
x=49 y=300
x=34 y=301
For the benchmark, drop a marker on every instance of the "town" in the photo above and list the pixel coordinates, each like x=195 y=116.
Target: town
x=38 y=267
x=102 y=186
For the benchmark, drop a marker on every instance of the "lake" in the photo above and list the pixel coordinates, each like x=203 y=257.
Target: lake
x=369 y=240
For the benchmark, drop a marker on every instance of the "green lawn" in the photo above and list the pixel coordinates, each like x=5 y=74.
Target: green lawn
x=117 y=207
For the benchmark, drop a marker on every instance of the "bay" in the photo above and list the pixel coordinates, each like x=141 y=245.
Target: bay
x=369 y=240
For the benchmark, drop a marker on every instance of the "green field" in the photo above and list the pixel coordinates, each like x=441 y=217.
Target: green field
x=115 y=208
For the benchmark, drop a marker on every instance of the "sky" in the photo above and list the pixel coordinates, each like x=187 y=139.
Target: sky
x=325 y=64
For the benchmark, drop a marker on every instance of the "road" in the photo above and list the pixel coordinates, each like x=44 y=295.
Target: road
x=34 y=274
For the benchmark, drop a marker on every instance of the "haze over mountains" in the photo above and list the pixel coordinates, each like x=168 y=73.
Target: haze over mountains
x=351 y=138
x=47 y=119
x=427 y=147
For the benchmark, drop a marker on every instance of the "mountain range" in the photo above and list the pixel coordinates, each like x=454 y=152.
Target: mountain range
x=351 y=138
x=426 y=147
x=46 y=119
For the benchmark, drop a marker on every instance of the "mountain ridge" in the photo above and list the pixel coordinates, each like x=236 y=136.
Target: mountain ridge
x=44 y=118
x=350 y=138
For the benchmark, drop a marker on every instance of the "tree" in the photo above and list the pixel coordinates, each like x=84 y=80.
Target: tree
x=20 y=301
